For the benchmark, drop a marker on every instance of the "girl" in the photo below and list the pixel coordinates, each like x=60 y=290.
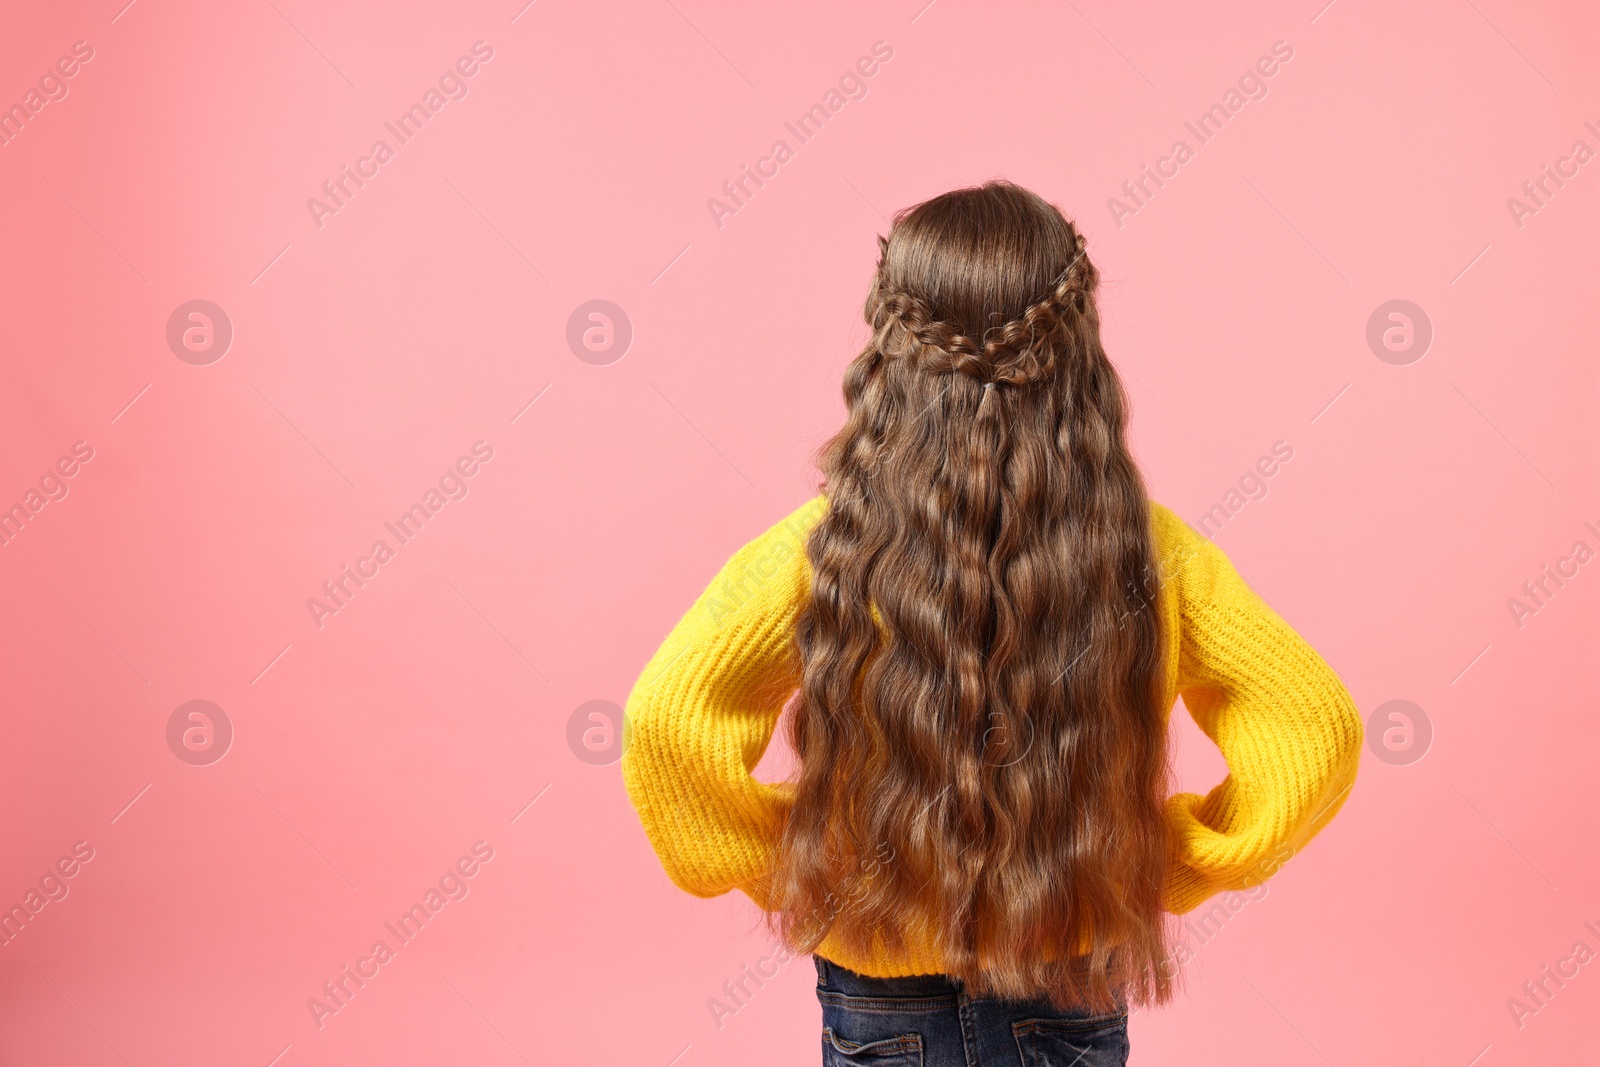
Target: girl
x=988 y=623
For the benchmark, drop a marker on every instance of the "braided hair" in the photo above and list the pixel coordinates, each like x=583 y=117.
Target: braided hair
x=980 y=656
x=1014 y=353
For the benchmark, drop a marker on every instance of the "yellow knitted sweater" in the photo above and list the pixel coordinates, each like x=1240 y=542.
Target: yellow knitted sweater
x=700 y=717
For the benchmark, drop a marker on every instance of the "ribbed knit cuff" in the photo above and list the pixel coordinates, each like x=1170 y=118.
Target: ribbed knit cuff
x=759 y=889
x=1186 y=890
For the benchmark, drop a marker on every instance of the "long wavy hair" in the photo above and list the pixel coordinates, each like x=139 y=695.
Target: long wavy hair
x=981 y=748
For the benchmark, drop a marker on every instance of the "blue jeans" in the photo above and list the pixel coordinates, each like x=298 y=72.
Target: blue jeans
x=931 y=1021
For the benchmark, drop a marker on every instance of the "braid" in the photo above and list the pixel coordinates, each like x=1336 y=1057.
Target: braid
x=1018 y=352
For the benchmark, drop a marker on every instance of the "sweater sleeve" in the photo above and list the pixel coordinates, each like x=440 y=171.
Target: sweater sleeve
x=700 y=716
x=1285 y=724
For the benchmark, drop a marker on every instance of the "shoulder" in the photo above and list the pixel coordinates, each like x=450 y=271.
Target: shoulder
x=787 y=536
x=798 y=523
x=769 y=573
x=1202 y=574
x=1176 y=543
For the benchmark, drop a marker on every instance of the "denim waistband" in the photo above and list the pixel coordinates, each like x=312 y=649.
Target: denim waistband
x=843 y=980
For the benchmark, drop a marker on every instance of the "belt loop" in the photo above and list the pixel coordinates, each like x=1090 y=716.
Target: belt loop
x=822 y=969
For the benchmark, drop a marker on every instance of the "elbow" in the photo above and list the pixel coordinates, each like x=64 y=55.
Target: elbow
x=1342 y=729
x=1349 y=730
x=641 y=725
x=1344 y=739
x=1331 y=759
x=638 y=770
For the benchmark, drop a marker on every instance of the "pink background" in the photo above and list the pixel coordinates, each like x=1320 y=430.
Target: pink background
x=429 y=311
